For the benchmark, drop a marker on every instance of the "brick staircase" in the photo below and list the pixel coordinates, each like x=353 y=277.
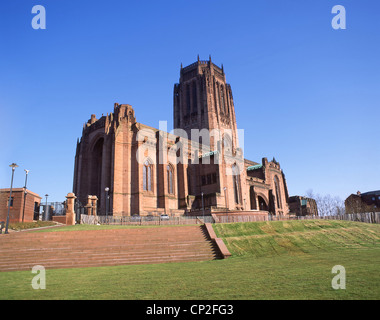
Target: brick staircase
x=76 y=249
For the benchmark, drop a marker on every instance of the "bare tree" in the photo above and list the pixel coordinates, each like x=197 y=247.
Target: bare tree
x=327 y=205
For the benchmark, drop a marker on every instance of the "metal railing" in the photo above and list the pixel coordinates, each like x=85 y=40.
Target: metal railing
x=145 y=220
x=368 y=217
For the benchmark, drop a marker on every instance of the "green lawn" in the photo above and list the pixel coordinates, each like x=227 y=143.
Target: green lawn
x=272 y=239
x=30 y=225
x=271 y=260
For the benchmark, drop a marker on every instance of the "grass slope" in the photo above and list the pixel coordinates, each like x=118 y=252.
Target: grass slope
x=263 y=239
x=272 y=260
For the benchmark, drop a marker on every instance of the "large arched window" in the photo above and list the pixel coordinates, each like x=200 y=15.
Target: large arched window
x=278 y=194
x=195 y=107
x=147 y=176
x=169 y=172
x=96 y=166
x=235 y=177
x=227 y=144
x=262 y=203
x=222 y=100
x=188 y=105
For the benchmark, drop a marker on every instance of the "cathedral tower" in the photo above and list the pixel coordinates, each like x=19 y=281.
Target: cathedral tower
x=203 y=100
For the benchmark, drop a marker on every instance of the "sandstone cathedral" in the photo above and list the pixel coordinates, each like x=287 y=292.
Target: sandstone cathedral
x=198 y=165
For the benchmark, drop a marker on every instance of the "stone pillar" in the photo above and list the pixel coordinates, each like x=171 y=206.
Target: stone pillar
x=70 y=213
x=89 y=206
x=94 y=204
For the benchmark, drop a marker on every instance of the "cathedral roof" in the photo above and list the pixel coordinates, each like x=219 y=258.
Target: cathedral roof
x=255 y=167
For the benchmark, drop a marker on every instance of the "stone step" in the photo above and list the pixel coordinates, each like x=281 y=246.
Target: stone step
x=117 y=256
x=107 y=262
x=23 y=250
x=70 y=252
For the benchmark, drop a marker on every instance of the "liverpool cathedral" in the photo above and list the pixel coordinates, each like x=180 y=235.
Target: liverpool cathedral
x=198 y=167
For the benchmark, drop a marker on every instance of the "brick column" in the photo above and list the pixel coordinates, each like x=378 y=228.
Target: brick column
x=94 y=204
x=89 y=206
x=70 y=213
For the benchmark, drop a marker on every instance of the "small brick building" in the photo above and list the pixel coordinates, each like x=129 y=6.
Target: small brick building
x=32 y=205
x=363 y=202
x=302 y=206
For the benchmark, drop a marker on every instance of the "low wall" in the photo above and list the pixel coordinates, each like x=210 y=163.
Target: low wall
x=240 y=216
x=218 y=241
x=60 y=219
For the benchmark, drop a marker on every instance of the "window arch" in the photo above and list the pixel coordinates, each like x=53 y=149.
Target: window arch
x=222 y=100
x=195 y=107
x=262 y=203
x=227 y=144
x=96 y=166
x=188 y=105
x=236 y=184
x=170 y=175
x=278 y=194
x=147 y=176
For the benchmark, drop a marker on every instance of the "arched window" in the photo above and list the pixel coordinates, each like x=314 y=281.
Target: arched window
x=147 y=176
x=222 y=100
x=169 y=171
x=96 y=165
x=262 y=204
x=188 y=105
x=227 y=144
x=278 y=194
x=195 y=107
x=235 y=177
x=227 y=101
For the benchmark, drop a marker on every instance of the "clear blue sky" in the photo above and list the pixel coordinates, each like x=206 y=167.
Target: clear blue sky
x=305 y=93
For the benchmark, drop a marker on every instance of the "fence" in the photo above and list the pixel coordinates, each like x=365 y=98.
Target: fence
x=239 y=218
x=368 y=217
x=144 y=220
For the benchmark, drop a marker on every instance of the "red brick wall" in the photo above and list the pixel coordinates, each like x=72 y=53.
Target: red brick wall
x=15 y=212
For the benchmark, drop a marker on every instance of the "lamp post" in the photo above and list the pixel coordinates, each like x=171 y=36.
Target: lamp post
x=46 y=208
x=107 y=197
x=25 y=192
x=13 y=166
x=203 y=208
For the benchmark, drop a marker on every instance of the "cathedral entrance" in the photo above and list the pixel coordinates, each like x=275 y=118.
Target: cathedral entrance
x=262 y=204
x=252 y=198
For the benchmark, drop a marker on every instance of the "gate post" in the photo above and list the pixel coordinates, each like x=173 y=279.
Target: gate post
x=70 y=213
x=89 y=206
x=94 y=203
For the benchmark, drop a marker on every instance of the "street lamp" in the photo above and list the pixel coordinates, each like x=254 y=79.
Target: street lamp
x=46 y=208
x=203 y=208
x=25 y=192
x=13 y=166
x=107 y=198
